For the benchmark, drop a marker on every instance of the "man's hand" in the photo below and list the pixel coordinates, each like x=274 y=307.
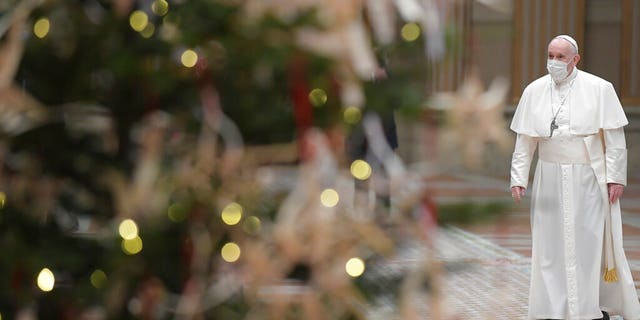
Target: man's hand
x=615 y=191
x=517 y=193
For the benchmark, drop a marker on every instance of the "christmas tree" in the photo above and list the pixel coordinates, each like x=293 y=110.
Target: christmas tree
x=187 y=159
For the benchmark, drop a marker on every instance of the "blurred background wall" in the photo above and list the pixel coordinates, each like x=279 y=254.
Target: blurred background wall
x=512 y=44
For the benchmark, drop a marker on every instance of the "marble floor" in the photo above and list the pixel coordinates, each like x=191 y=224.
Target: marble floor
x=484 y=268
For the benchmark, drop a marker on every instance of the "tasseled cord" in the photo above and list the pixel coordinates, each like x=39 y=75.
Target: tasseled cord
x=610 y=274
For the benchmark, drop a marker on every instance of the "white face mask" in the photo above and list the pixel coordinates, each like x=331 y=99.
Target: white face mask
x=557 y=69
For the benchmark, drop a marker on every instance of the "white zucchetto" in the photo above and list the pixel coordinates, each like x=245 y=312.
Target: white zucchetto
x=568 y=39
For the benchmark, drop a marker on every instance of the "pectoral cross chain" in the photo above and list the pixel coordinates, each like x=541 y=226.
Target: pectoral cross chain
x=552 y=127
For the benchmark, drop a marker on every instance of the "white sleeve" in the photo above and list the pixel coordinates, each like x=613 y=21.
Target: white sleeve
x=521 y=160
x=616 y=155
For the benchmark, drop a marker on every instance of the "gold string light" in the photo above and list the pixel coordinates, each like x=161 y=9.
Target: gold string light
x=189 y=58
x=329 y=198
x=355 y=267
x=232 y=214
x=148 y=31
x=138 y=20
x=128 y=229
x=46 y=280
x=352 y=115
x=98 y=279
x=360 y=169
x=230 y=252
x=160 y=7
x=132 y=246
x=318 y=97
x=252 y=225
x=410 y=31
x=41 y=27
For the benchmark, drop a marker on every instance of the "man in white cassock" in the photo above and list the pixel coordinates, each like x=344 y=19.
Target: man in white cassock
x=575 y=120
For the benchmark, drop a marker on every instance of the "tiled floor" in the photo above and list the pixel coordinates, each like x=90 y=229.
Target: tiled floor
x=493 y=282
x=487 y=266
x=478 y=279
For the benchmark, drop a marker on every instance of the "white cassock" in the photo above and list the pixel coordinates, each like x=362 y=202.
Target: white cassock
x=571 y=218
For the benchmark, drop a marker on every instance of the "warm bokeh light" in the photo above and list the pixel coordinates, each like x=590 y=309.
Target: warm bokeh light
x=189 y=58
x=138 y=20
x=41 y=27
x=329 y=198
x=360 y=169
x=318 y=97
x=252 y=225
x=230 y=252
x=177 y=212
x=232 y=214
x=160 y=7
x=132 y=246
x=354 y=267
x=148 y=31
x=128 y=229
x=46 y=280
x=410 y=31
x=352 y=115
x=3 y=199
x=98 y=279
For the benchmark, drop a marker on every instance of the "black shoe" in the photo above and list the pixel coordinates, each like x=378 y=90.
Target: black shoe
x=605 y=316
